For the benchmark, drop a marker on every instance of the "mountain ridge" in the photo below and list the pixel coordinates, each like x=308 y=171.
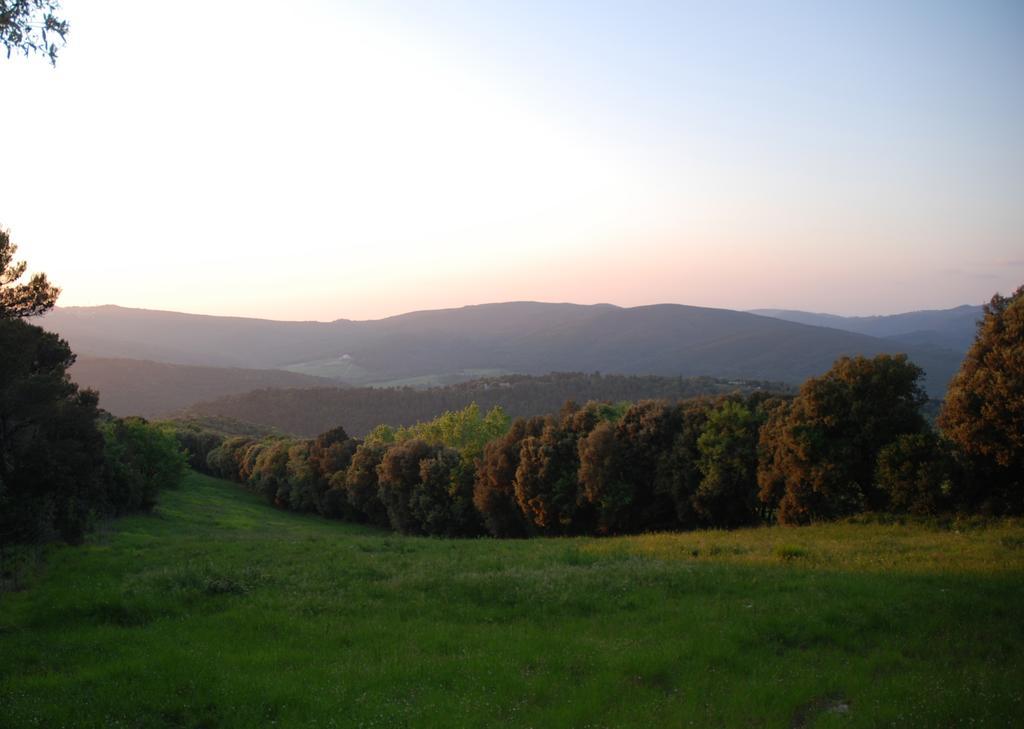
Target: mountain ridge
x=525 y=337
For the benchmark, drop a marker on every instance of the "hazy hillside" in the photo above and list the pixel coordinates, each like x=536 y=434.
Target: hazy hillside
x=153 y=389
x=309 y=412
x=944 y=328
x=523 y=337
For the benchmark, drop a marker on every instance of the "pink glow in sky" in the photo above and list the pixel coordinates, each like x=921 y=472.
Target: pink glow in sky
x=851 y=160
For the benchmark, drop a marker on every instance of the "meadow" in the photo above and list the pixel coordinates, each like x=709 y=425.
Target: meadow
x=217 y=610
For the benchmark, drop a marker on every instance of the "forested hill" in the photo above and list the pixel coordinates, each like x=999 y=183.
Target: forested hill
x=154 y=389
x=313 y=411
x=521 y=337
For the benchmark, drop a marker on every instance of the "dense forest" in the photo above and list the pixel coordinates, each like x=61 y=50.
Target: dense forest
x=850 y=441
x=306 y=412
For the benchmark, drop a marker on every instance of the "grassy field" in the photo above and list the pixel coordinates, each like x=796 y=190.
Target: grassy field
x=218 y=611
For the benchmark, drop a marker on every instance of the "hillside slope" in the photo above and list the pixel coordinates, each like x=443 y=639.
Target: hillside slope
x=522 y=337
x=220 y=611
x=154 y=389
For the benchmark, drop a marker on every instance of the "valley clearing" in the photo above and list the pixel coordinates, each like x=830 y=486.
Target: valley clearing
x=219 y=611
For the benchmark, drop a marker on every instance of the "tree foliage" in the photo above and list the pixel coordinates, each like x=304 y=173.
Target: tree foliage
x=32 y=26
x=851 y=440
x=824 y=453
x=494 y=490
x=727 y=494
x=361 y=483
x=51 y=451
x=619 y=466
x=20 y=300
x=141 y=460
x=914 y=472
x=983 y=413
x=59 y=469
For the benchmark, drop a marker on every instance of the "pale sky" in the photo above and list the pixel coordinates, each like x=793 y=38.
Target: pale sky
x=321 y=159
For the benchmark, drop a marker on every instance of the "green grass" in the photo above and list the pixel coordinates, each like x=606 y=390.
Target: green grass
x=218 y=611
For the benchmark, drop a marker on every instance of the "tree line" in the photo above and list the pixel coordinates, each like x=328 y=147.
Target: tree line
x=850 y=441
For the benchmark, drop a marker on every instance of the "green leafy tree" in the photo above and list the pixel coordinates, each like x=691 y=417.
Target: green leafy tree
x=983 y=413
x=727 y=494
x=914 y=472
x=141 y=460
x=678 y=473
x=195 y=441
x=441 y=503
x=32 y=27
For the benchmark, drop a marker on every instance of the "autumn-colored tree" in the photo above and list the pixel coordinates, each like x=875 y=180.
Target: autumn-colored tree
x=329 y=455
x=546 y=480
x=772 y=453
x=398 y=476
x=601 y=479
x=269 y=476
x=362 y=486
x=619 y=467
x=225 y=459
x=494 y=493
x=827 y=449
x=983 y=413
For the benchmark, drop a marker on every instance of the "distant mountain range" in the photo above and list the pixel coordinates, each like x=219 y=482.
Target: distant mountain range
x=946 y=328
x=452 y=345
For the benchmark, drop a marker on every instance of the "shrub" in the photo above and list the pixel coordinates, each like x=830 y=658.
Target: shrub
x=141 y=460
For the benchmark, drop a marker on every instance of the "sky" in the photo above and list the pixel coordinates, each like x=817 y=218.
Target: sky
x=324 y=159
